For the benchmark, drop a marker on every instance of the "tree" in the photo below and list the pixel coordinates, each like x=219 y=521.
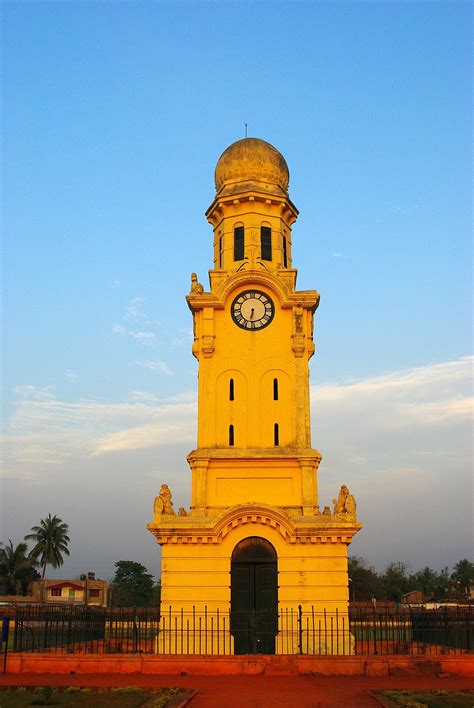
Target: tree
x=132 y=585
x=156 y=595
x=51 y=541
x=17 y=569
x=364 y=583
x=463 y=577
x=396 y=581
x=431 y=583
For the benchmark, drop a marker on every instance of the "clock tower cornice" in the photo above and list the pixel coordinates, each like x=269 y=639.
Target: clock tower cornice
x=233 y=205
x=282 y=283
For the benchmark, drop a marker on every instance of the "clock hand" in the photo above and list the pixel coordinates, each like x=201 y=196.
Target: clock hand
x=251 y=313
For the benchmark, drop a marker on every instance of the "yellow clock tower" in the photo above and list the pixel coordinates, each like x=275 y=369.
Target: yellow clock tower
x=254 y=544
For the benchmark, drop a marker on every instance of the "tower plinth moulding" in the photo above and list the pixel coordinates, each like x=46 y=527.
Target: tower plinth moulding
x=254 y=542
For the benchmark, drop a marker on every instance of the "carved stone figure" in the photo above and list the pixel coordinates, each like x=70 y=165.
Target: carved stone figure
x=298 y=319
x=196 y=287
x=326 y=511
x=163 y=504
x=345 y=505
x=182 y=511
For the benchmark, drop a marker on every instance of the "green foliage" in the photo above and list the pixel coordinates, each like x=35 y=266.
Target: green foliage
x=396 y=581
x=463 y=577
x=132 y=585
x=17 y=569
x=51 y=542
x=127 y=689
x=432 y=584
x=429 y=699
x=364 y=583
x=156 y=595
x=47 y=695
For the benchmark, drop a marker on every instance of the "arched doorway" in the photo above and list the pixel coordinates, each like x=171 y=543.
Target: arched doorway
x=254 y=596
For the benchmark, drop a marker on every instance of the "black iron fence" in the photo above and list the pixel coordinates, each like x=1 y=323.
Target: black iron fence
x=366 y=631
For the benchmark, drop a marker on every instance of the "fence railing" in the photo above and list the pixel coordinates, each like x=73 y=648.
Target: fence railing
x=59 y=629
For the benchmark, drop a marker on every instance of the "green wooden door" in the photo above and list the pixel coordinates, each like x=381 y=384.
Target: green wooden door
x=254 y=597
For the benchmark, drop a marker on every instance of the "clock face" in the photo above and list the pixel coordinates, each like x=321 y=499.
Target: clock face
x=252 y=310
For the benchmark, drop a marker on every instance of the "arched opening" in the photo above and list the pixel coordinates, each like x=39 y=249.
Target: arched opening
x=266 y=243
x=239 y=243
x=254 y=596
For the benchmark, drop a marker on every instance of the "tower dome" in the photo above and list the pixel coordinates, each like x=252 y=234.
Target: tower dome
x=249 y=161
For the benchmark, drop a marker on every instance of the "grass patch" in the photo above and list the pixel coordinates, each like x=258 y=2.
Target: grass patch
x=428 y=699
x=127 y=697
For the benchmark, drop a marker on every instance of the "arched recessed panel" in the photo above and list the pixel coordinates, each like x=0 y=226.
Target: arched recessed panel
x=231 y=408
x=276 y=407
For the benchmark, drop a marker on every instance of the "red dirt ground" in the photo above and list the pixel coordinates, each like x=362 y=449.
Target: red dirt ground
x=256 y=691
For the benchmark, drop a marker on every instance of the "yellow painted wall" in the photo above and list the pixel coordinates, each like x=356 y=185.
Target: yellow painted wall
x=308 y=574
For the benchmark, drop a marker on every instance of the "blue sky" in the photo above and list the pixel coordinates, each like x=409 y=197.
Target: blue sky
x=115 y=114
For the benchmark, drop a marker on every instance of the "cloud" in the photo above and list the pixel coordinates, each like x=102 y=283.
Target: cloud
x=337 y=254
x=426 y=395
x=134 y=312
x=71 y=375
x=45 y=430
x=353 y=416
x=115 y=284
x=135 y=322
x=143 y=337
x=155 y=365
x=401 y=441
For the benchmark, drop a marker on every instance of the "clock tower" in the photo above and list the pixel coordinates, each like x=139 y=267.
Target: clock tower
x=255 y=542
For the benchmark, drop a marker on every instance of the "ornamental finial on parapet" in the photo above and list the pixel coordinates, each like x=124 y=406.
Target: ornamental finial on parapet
x=345 y=505
x=163 y=505
x=196 y=286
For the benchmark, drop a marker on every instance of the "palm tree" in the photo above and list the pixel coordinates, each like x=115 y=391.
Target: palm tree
x=51 y=542
x=16 y=568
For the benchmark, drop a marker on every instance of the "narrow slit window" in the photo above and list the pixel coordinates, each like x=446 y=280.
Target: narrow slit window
x=239 y=243
x=231 y=390
x=266 y=243
x=220 y=251
x=275 y=389
x=231 y=435
x=285 y=253
x=276 y=435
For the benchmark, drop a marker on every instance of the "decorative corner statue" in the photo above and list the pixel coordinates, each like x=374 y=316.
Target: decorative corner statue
x=196 y=286
x=345 y=505
x=182 y=511
x=163 y=505
x=298 y=314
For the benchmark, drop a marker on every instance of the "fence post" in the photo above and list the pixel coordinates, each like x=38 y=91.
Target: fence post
x=374 y=603
x=4 y=638
x=300 y=629
x=467 y=616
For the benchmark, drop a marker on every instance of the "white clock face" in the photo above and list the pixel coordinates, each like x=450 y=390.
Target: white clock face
x=252 y=310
